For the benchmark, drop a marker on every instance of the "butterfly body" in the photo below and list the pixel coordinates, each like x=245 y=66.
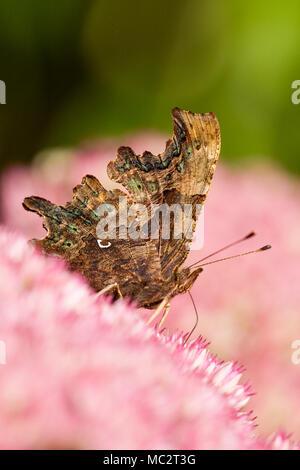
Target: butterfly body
x=146 y=269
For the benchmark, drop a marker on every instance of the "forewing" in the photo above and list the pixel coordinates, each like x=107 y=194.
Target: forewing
x=199 y=152
x=181 y=175
x=72 y=235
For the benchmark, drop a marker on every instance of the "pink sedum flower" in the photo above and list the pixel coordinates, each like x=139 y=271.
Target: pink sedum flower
x=83 y=373
x=280 y=441
x=249 y=307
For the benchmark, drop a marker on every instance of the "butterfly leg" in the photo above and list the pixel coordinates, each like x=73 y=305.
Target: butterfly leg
x=164 y=315
x=115 y=285
x=164 y=303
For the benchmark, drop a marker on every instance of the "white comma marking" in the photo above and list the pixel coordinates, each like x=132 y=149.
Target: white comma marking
x=103 y=246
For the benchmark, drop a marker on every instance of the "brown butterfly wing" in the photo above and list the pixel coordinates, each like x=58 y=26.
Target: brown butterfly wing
x=143 y=268
x=180 y=175
x=67 y=226
x=199 y=154
x=72 y=235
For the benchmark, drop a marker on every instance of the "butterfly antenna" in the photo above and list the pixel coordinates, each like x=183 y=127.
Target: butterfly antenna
x=196 y=322
x=246 y=237
x=263 y=248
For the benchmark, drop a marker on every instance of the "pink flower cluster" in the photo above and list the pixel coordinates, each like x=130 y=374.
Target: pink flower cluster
x=83 y=373
x=248 y=308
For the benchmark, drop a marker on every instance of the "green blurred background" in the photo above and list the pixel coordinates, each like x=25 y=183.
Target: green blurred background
x=80 y=69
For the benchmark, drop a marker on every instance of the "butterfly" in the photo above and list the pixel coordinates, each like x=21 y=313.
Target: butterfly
x=145 y=269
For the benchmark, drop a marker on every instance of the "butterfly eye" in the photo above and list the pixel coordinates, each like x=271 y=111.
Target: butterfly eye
x=107 y=245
